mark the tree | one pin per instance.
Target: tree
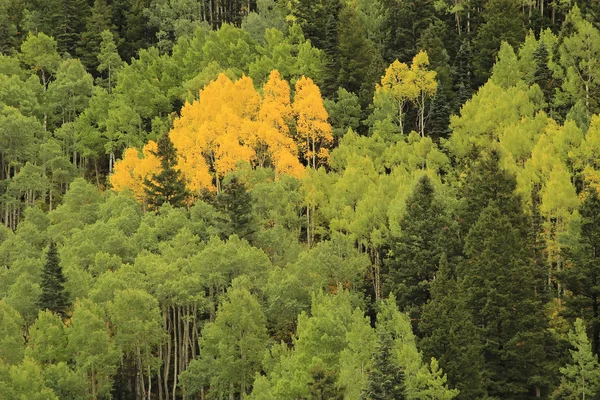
(235, 201)
(40, 54)
(426, 234)
(166, 186)
(450, 335)
(312, 129)
(503, 21)
(11, 335)
(500, 276)
(582, 277)
(97, 22)
(581, 378)
(54, 296)
(386, 378)
(94, 349)
(109, 60)
(136, 321)
(48, 340)
(234, 344)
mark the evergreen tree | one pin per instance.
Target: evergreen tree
(485, 181)
(439, 115)
(54, 296)
(500, 278)
(168, 185)
(450, 335)
(580, 378)
(543, 75)
(503, 21)
(235, 202)
(462, 74)
(583, 279)
(89, 45)
(426, 234)
(386, 379)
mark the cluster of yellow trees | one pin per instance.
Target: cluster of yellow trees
(231, 123)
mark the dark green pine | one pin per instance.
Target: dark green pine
(543, 75)
(583, 279)
(235, 202)
(450, 335)
(386, 379)
(462, 74)
(426, 235)
(439, 120)
(54, 296)
(168, 185)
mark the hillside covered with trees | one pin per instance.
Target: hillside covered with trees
(305, 199)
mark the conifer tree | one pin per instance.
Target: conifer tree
(450, 335)
(581, 280)
(54, 296)
(500, 279)
(386, 379)
(580, 378)
(543, 75)
(426, 234)
(236, 203)
(168, 185)
(463, 74)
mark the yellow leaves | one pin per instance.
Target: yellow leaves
(313, 131)
(232, 123)
(410, 84)
(131, 171)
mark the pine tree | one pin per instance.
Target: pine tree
(500, 277)
(543, 75)
(386, 379)
(583, 278)
(580, 378)
(426, 234)
(439, 116)
(235, 201)
(89, 45)
(168, 185)
(54, 296)
(463, 75)
(450, 335)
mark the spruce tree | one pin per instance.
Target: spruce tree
(168, 185)
(583, 279)
(426, 234)
(386, 379)
(500, 281)
(543, 75)
(54, 297)
(450, 335)
(462, 74)
(235, 202)
(439, 120)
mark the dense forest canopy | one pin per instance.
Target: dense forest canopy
(305, 199)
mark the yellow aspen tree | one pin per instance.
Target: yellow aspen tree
(131, 171)
(398, 82)
(313, 132)
(425, 85)
(275, 140)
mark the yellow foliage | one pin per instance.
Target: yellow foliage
(232, 123)
(131, 171)
(313, 131)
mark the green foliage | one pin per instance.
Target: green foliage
(54, 296)
(168, 185)
(581, 377)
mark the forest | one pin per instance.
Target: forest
(299, 200)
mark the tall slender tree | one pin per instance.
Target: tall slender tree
(54, 296)
(167, 185)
